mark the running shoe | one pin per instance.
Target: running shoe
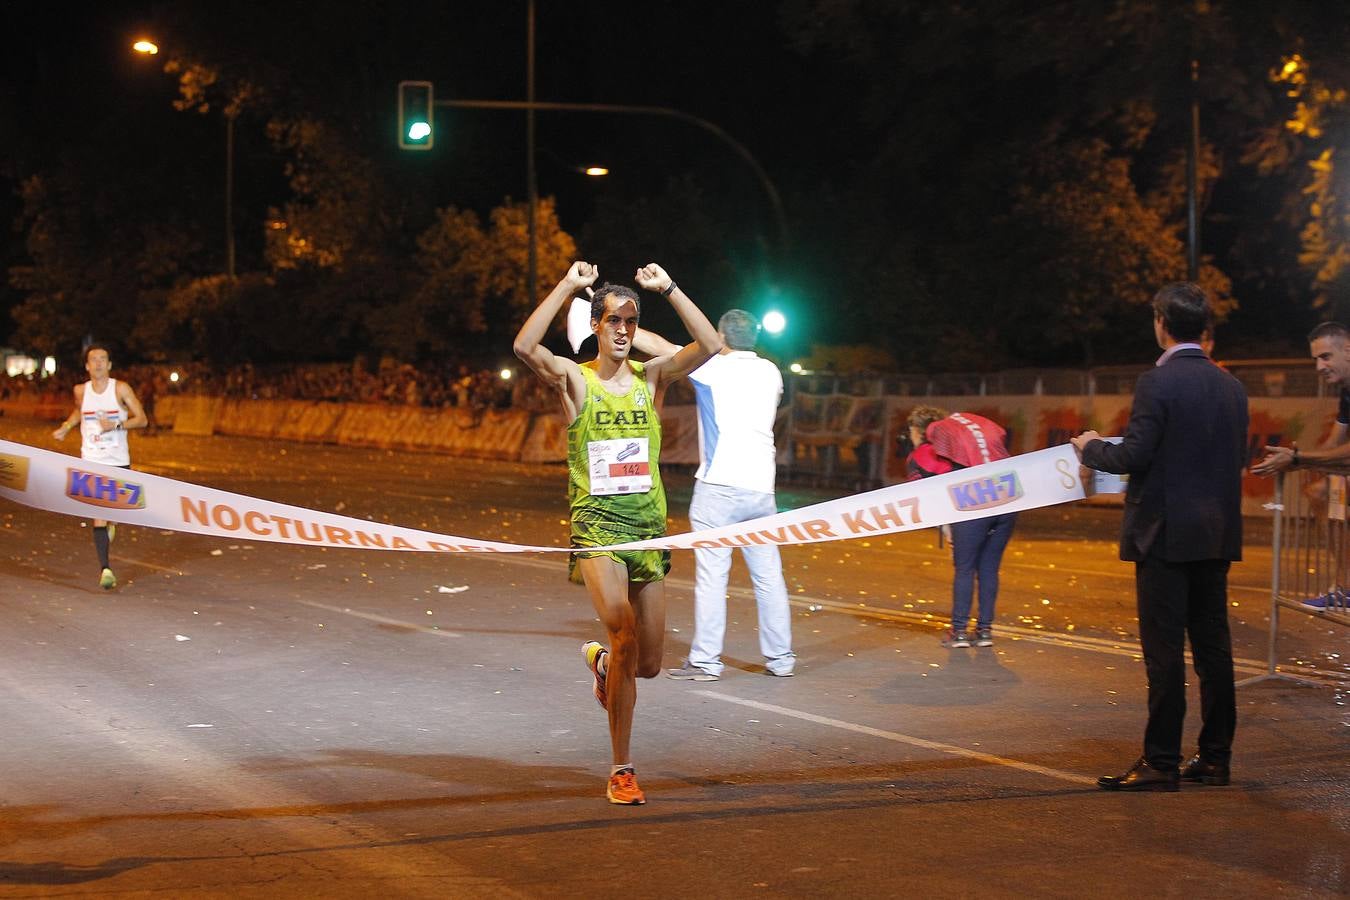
(984, 637)
(593, 651)
(623, 789)
(691, 672)
(107, 580)
(1332, 599)
(955, 639)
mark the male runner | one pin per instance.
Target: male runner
(614, 484)
(105, 409)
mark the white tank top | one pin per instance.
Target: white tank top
(108, 447)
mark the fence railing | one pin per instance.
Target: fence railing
(1310, 568)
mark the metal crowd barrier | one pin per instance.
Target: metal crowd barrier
(1310, 567)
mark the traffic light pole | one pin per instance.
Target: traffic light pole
(772, 192)
(531, 181)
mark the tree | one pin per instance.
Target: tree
(470, 279)
(964, 112)
(1092, 249)
(89, 262)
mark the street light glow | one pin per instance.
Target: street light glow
(150, 48)
(774, 322)
(506, 374)
(596, 171)
(418, 130)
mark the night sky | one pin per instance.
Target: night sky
(904, 138)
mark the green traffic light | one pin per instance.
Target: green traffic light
(416, 104)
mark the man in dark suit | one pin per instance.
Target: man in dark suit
(1184, 449)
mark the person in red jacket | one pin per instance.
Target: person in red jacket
(944, 443)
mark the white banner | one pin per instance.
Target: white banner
(59, 483)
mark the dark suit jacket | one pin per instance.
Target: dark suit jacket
(1184, 450)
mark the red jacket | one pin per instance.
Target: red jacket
(968, 440)
(924, 462)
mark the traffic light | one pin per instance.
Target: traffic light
(416, 108)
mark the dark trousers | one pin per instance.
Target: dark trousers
(977, 550)
(1176, 599)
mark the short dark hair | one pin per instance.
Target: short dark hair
(1330, 330)
(92, 347)
(739, 328)
(1185, 310)
(618, 290)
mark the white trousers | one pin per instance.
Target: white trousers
(713, 506)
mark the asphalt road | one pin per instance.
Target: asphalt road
(259, 720)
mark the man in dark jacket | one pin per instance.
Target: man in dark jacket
(1184, 449)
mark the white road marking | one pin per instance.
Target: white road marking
(383, 620)
(906, 739)
(1124, 647)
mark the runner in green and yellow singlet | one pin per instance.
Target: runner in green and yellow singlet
(614, 481)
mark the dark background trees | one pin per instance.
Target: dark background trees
(973, 185)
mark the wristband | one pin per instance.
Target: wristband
(1294, 464)
(667, 291)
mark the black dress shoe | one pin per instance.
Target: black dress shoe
(1201, 772)
(1141, 777)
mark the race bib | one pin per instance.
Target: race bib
(96, 436)
(619, 466)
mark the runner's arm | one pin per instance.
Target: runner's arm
(74, 418)
(652, 344)
(706, 343)
(551, 369)
(138, 418)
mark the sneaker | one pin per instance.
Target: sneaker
(107, 580)
(623, 789)
(779, 673)
(691, 672)
(984, 638)
(1331, 598)
(593, 650)
(956, 639)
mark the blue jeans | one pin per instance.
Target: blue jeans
(713, 506)
(977, 550)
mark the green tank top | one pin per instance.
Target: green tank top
(616, 426)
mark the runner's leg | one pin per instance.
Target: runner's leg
(649, 608)
(101, 542)
(607, 582)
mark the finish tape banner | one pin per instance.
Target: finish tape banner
(58, 483)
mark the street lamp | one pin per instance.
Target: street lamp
(147, 47)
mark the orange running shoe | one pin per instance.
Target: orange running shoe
(593, 650)
(623, 789)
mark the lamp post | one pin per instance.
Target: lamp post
(1193, 178)
(147, 47)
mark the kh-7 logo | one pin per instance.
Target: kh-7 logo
(100, 490)
(983, 493)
